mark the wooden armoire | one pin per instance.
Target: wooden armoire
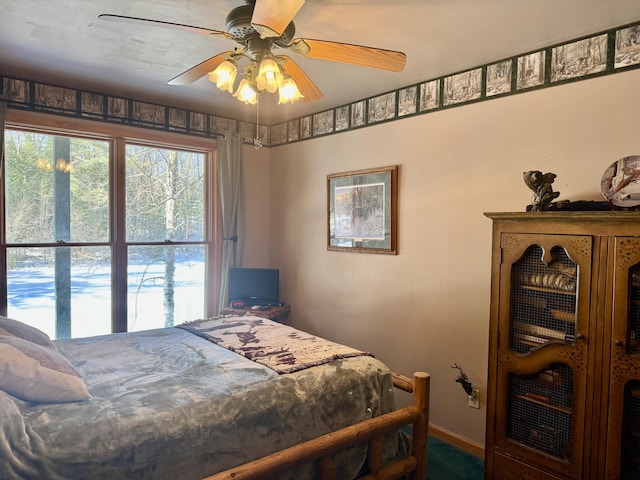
(563, 394)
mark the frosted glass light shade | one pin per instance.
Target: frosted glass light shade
(289, 92)
(269, 76)
(246, 93)
(224, 76)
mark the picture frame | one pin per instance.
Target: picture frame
(362, 211)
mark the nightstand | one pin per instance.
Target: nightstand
(277, 314)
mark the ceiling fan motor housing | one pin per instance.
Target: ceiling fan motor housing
(239, 25)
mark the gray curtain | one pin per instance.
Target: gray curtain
(3, 114)
(229, 184)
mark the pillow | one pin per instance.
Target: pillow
(8, 326)
(38, 374)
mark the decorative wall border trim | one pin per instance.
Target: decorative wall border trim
(43, 97)
(604, 53)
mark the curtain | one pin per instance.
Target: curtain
(229, 184)
(3, 114)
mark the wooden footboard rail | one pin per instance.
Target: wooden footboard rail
(322, 448)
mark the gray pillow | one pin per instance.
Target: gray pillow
(9, 326)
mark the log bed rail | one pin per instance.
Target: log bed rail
(322, 448)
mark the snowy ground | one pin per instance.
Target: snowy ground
(32, 298)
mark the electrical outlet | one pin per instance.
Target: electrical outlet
(474, 399)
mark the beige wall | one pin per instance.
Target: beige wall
(254, 222)
(428, 307)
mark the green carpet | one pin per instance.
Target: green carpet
(447, 462)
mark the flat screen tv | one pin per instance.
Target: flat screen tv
(254, 286)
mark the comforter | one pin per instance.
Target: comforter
(169, 404)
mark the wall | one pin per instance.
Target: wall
(428, 307)
(253, 229)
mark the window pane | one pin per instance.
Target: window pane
(62, 291)
(57, 188)
(166, 285)
(165, 194)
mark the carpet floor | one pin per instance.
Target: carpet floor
(447, 462)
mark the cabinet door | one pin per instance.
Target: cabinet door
(623, 439)
(545, 285)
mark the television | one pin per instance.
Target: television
(254, 286)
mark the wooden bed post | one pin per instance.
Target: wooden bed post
(375, 454)
(327, 467)
(422, 388)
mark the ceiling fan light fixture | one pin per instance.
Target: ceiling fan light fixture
(246, 93)
(224, 75)
(258, 27)
(269, 76)
(288, 92)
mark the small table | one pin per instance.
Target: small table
(277, 314)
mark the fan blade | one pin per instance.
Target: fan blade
(160, 23)
(199, 71)
(306, 86)
(271, 17)
(347, 53)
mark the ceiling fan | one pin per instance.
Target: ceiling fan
(259, 27)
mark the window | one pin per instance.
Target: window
(165, 228)
(104, 234)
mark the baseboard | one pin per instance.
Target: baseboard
(457, 441)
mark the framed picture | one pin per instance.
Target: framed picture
(362, 210)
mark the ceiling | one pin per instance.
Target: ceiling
(62, 42)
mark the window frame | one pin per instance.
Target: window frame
(118, 136)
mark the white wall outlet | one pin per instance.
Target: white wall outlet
(474, 399)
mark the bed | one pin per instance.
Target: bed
(222, 398)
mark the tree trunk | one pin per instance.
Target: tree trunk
(170, 253)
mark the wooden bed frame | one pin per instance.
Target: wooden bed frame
(322, 448)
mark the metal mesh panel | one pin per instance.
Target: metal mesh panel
(540, 405)
(631, 432)
(634, 310)
(544, 300)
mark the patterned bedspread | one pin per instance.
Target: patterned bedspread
(167, 404)
(279, 347)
